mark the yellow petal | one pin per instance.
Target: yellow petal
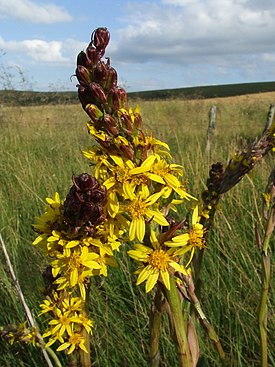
(151, 281)
(183, 250)
(153, 198)
(156, 178)
(113, 204)
(110, 182)
(145, 166)
(195, 215)
(118, 160)
(178, 267)
(172, 181)
(82, 291)
(39, 238)
(143, 275)
(181, 239)
(132, 230)
(128, 191)
(63, 346)
(74, 277)
(157, 217)
(140, 229)
(166, 279)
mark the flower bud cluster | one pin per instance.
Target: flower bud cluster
(103, 100)
(20, 334)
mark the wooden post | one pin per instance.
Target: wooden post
(211, 127)
(269, 118)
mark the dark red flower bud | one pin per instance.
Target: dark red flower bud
(100, 72)
(127, 151)
(101, 38)
(84, 205)
(117, 98)
(85, 96)
(111, 81)
(127, 123)
(93, 112)
(83, 75)
(83, 59)
(98, 92)
(110, 124)
(93, 54)
(137, 120)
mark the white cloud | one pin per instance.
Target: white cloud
(41, 51)
(38, 50)
(30, 11)
(196, 31)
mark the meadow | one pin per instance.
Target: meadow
(41, 149)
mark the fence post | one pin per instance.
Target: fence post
(211, 127)
(269, 117)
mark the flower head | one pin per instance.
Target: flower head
(191, 240)
(158, 263)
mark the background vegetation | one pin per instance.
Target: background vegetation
(40, 149)
(11, 97)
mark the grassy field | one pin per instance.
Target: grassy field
(40, 150)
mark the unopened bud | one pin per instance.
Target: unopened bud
(83, 59)
(137, 120)
(93, 54)
(110, 124)
(93, 112)
(111, 81)
(101, 72)
(98, 92)
(85, 96)
(117, 98)
(83, 75)
(101, 38)
(127, 123)
(127, 151)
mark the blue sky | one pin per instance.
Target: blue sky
(154, 44)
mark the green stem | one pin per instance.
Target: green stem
(262, 318)
(155, 323)
(85, 358)
(180, 325)
(54, 357)
(202, 318)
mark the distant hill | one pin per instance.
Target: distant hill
(211, 91)
(28, 98)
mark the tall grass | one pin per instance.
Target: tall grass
(40, 150)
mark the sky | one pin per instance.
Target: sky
(155, 44)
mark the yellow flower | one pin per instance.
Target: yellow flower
(126, 176)
(77, 266)
(99, 135)
(189, 241)
(47, 306)
(75, 341)
(150, 143)
(61, 324)
(139, 209)
(99, 159)
(45, 222)
(157, 263)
